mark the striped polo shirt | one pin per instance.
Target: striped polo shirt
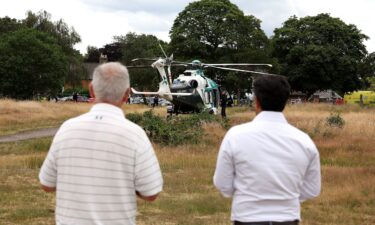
(97, 162)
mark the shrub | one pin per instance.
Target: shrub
(335, 120)
(134, 117)
(174, 131)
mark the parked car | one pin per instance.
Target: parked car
(81, 98)
(66, 98)
(163, 102)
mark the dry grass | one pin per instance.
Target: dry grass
(347, 157)
(16, 116)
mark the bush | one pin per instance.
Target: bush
(71, 91)
(134, 117)
(175, 131)
(335, 120)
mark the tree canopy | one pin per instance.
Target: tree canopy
(320, 52)
(8, 25)
(38, 56)
(210, 29)
(32, 63)
(92, 55)
(141, 46)
(218, 31)
(66, 36)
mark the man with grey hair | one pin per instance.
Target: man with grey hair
(100, 161)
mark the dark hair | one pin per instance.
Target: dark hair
(272, 92)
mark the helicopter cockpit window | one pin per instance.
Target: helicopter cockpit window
(187, 73)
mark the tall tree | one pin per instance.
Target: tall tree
(113, 51)
(218, 31)
(8, 25)
(320, 52)
(32, 63)
(367, 69)
(92, 55)
(141, 46)
(211, 29)
(66, 37)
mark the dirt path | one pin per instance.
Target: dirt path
(39, 133)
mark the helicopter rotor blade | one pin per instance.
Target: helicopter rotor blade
(238, 64)
(139, 66)
(243, 71)
(179, 65)
(179, 62)
(163, 50)
(143, 59)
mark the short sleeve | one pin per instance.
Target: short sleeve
(48, 171)
(148, 177)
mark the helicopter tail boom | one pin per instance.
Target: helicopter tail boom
(162, 94)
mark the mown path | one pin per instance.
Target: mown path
(39, 133)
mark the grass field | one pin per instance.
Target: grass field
(347, 157)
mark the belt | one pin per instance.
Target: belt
(295, 222)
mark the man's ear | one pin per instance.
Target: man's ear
(126, 95)
(91, 90)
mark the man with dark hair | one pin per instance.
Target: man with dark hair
(272, 92)
(268, 166)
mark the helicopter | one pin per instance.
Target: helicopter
(191, 91)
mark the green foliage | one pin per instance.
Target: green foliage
(320, 52)
(8, 25)
(37, 56)
(81, 91)
(134, 117)
(371, 83)
(66, 38)
(367, 70)
(335, 120)
(208, 29)
(92, 54)
(218, 31)
(141, 46)
(175, 131)
(33, 63)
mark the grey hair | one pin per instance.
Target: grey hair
(110, 81)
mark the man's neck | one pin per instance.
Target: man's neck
(118, 104)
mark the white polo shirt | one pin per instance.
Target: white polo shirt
(97, 162)
(268, 167)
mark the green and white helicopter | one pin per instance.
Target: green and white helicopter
(191, 91)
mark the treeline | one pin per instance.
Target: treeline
(37, 55)
(315, 52)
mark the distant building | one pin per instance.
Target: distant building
(325, 96)
(88, 71)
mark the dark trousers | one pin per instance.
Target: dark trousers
(223, 114)
(295, 222)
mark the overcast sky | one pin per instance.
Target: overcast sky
(97, 21)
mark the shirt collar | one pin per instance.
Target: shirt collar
(270, 116)
(105, 107)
